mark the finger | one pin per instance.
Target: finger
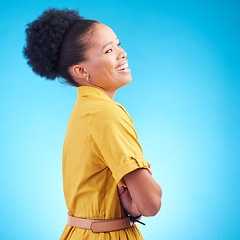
(150, 172)
(149, 165)
(120, 189)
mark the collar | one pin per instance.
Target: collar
(92, 91)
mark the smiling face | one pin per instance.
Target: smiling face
(106, 65)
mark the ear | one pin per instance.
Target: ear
(79, 71)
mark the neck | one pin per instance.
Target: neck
(111, 94)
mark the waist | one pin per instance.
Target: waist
(99, 225)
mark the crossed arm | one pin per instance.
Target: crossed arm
(142, 195)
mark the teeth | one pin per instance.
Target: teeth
(122, 67)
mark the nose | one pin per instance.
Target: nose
(122, 54)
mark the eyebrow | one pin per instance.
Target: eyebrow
(108, 43)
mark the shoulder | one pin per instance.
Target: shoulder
(106, 116)
(110, 111)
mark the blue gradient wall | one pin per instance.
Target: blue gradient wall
(184, 101)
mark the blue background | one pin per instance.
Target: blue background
(184, 101)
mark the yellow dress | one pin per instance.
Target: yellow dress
(100, 147)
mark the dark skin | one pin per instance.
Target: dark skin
(104, 57)
(106, 68)
(136, 199)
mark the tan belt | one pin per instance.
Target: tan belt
(98, 226)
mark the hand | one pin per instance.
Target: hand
(126, 200)
(149, 165)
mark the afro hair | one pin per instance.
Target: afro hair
(44, 37)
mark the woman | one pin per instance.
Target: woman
(107, 182)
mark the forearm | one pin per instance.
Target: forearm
(144, 191)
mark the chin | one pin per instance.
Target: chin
(128, 78)
(126, 81)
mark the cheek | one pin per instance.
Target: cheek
(101, 68)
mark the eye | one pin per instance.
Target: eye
(109, 50)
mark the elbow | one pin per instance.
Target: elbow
(152, 209)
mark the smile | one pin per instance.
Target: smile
(124, 66)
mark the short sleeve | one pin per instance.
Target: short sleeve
(113, 136)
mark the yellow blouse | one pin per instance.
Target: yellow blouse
(100, 147)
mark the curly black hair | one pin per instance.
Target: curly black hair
(55, 41)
